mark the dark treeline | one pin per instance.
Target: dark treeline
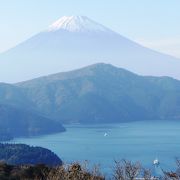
(123, 170)
(18, 154)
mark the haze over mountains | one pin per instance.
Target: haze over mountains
(76, 41)
(100, 93)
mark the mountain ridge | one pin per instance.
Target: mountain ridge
(99, 93)
(103, 93)
(87, 70)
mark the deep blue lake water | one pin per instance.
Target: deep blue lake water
(136, 141)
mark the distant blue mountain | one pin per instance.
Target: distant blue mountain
(102, 93)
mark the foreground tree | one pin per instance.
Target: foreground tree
(43, 172)
(126, 170)
(173, 175)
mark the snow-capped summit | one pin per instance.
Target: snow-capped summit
(78, 24)
(76, 41)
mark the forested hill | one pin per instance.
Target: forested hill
(102, 93)
(18, 122)
(19, 154)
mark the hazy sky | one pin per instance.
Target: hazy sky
(154, 23)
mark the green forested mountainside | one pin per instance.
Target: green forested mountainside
(101, 93)
(15, 122)
(20, 154)
(13, 95)
(104, 93)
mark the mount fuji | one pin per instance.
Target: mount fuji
(76, 41)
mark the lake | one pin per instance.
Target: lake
(136, 141)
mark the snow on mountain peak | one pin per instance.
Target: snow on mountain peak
(77, 24)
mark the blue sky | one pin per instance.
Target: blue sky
(154, 23)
